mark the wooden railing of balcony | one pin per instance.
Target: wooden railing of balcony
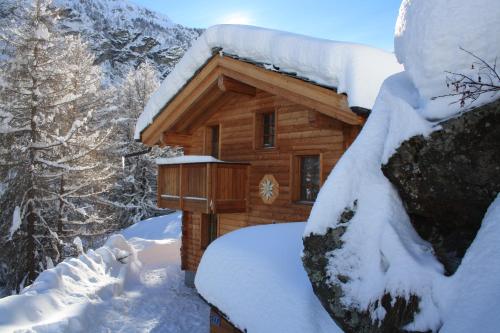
(212, 187)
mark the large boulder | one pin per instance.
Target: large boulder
(400, 311)
(448, 180)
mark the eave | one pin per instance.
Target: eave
(222, 77)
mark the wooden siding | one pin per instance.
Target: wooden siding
(299, 131)
(191, 250)
(204, 187)
(219, 324)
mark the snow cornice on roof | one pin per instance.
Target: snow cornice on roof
(347, 68)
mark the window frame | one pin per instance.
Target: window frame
(296, 170)
(259, 129)
(209, 144)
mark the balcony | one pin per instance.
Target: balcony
(203, 185)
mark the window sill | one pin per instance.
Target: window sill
(266, 149)
(303, 203)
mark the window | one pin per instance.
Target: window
(268, 130)
(306, 178)
(209, 224)
(265, 130)
(214, 141)
(309, 177)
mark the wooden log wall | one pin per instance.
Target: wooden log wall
(299, 131)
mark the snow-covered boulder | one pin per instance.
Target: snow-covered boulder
(448, 180)
(428, 38)
(369, 267)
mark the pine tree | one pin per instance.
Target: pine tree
(137, 187)
(88, 171)
(54, 131)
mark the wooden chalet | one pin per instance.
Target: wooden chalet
(274, 139)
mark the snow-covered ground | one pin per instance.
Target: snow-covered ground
(255, 276)
(131, 284)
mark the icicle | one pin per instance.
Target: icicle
(123, 162)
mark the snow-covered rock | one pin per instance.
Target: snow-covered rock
(356, 70)
(255, 277)
(448, 179)
(369, 261)
(471, 297)
(427, 42)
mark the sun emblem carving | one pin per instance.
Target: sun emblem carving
(268, 189)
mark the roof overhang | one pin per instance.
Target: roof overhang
(222, 77)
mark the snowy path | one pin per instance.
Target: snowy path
(98, 293)
(161, 303)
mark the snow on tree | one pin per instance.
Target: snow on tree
(136, 190)
(53, 138)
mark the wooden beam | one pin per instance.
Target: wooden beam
(226, 84)
(208, 112)
(176, 139)
(188, 95)
(197, 109)
(228, 75)
(298, 91)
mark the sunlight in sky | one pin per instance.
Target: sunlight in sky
(237, 18)
(360, 21)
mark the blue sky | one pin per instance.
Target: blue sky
(363, 21)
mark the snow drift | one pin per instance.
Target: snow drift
(381, 251)
(63, 290)
(254, 275)
(63, 298)
(428, 38)
(356, 70)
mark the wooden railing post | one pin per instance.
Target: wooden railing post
(181, 187)
(208, 194)
(159, 186)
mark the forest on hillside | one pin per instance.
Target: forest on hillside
(70, 171)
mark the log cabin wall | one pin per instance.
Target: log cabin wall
(299, 131)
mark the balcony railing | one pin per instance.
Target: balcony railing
(208, 187)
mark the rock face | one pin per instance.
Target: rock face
(448, 180)
(400, 311)
(121, 34)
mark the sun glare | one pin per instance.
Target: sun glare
(237, 18)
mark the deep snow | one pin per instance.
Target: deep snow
(381, 251)
(354, 69)
(255, 276)
(427, 42)
(131, 284)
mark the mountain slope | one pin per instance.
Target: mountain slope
(121, 34)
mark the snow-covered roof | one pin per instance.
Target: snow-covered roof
(354, 69)
(186, 159)
(258, 281)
